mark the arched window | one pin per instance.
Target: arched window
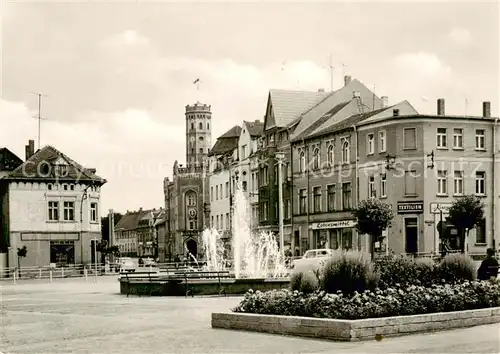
(191, 199)
(302, 161)
(316, 158)
(330, 155)
(201, 125)
(345, 152)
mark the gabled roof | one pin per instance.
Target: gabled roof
(288, 104)
(40, 166)
(346, 93)
(8, 160)
(321, 120)
(227, 142)
(130, 221)
(255, 129)
(347, 123)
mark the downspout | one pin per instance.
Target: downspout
(356, 180)
(291, 186)
(493, 202)
(307, 191)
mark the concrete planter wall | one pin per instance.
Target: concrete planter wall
(354, 330)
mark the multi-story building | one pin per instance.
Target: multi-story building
(51, 205)
(187, 194)
(290, 115)
(420, 163)
(325, 176)
(221, 156)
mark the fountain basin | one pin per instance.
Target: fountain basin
(164, 286)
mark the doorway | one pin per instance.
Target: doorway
(411, 235)
(192, 247)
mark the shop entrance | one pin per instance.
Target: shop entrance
(411, 235)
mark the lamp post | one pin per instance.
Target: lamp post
(280, 157)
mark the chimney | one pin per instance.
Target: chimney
(440, 107)
(395, 112)
(385, 101)
(30, 149)
(487, 109)
(321, 90)
(140, 209)
(347, 80)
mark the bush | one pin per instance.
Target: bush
(304, 282)
(405, 271)
(348, 272)
(456, 267)
(399, 301)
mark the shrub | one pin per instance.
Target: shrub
(405, 271)
(398, 301)
(304, 282)
(456, 267)
(348, 272)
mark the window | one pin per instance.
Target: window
(330, 156)
(383, 185)
(441, 179)
(244, 186)
(217, 192)
(191, 199)
(222, 221)
(208, 125)
(410, 183)
(331, 197)
(201, 126)
(213, 225)
(69, 211)
(316, 158)
(192, 125)
(441, 138)
(302, 201)
(252, 187)
(409, 138)
(288, 209)
(458, 138)
(481, 232)
(93, 212)
(317, 199)
(276, 175)
(226, 191)
(346, 196)
(264, 211)
(345, 152)
(218, 223)
(265, 176)
(201, 150)
(243, 152)
(480, 137)
(212, 193)
(302, 161)
(458, 182)
(371, 187)
(220, 191)
(370, 144)
(480, 183)
(53, 211)
(382, 143)
(227, 222)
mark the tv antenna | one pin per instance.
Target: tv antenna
(330, 65)
(39, 116)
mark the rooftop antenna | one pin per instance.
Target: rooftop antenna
(331, 73)
(39, 117)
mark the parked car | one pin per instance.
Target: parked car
(149, 262)
(127, 265)
(312, 260)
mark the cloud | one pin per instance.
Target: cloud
(460, 36)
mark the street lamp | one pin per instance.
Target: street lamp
(280, 157)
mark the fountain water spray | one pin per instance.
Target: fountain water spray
(255, 255)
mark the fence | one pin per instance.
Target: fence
(47, 272)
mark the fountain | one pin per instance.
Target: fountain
(255, 255)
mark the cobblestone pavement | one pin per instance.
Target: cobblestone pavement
(78, 316)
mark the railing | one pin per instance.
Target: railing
(70, 271)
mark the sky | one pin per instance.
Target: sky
(116, 76)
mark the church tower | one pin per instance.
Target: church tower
(198, 134)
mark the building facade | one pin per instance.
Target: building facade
(419, 164)
(51, 205)
(187, 202)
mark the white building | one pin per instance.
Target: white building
(51, 205)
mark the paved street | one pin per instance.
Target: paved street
(75, 316)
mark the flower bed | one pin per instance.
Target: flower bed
(402, 301)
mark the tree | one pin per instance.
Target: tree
(21, 253)
(373, 217)
(465, 213)
(105, 225)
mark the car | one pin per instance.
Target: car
(149, 262)
(127, 265)
(312, 260)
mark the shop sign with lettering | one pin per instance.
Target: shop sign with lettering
(410, 207)
(333, 224)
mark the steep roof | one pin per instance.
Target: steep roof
(288, 104)
(226, 142)
(255, 128)
(40, 166)
(130, 220)
(8, 160)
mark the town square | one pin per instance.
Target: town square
(250, 177)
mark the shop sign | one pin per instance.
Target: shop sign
(437, 207)
(410, 207)
(340, 224)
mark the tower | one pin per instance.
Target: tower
(198, 134)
